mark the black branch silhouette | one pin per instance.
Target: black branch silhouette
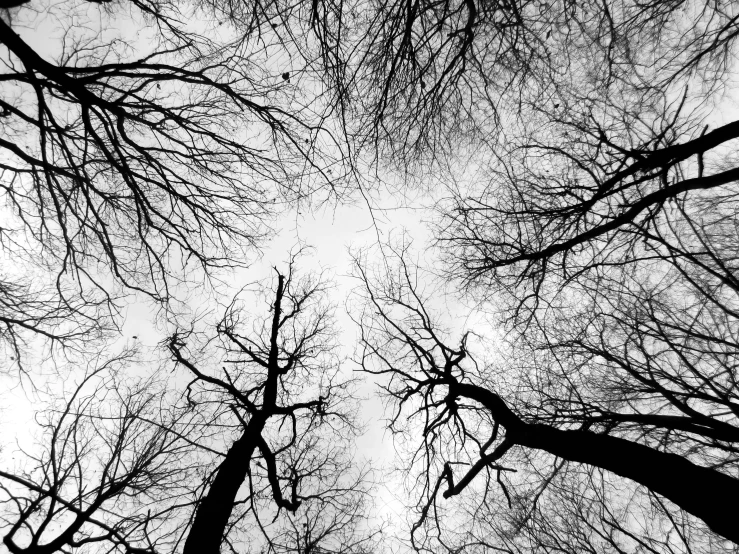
(636, 418)
(292, 412)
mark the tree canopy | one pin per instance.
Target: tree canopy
(574, 166)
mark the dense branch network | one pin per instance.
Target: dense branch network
(128, 164)
(292, 415)
(659, 419)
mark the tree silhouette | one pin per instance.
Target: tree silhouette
(291, 414)
(440, 78)
(589, 209)
(596, 399)
(254, 458)
(112, 470)
(128, 163)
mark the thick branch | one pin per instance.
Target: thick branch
(211, 518)
(269, 460)
(626, 216)
(706, 493)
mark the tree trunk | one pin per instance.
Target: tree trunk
(706, 493)
(211, 517)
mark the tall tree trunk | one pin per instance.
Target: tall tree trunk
(211, 517)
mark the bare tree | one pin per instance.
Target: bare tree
(439, 78)
(601, 230)
(128, 163)
(111, 471)
(29, 310)
(604, 229)
(642, 415)
(256, 458)
(336, 524)
(289, 413)
(556, 506)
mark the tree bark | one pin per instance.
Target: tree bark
(211, 516)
